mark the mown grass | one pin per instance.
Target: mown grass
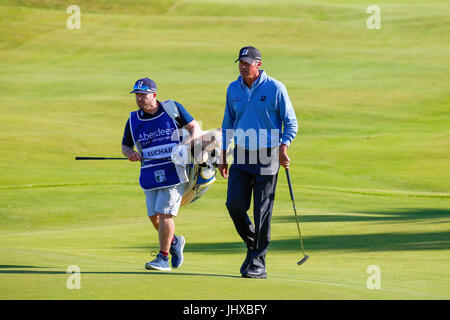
(370, 163)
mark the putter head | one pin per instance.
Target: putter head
(303, 260)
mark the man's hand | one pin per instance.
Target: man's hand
(133, 155)
(130, 153)
(284, 159)
(223, 169)
(223, 166)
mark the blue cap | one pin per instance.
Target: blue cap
(144, 85)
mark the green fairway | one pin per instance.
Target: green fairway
(370, 164)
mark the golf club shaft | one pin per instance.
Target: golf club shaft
(99, 158)
(295, 209)
(111, 158)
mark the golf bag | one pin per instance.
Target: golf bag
(200, 162)
(201, 169)
(200, 180)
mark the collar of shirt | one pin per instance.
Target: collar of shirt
(146, 115)
(262, 76)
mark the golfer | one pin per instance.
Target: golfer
(257, 108)
(155, 132)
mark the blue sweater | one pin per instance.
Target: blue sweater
(257, 115)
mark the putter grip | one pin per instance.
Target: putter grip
(288, 176)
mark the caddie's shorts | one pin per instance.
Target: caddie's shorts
(164, 200)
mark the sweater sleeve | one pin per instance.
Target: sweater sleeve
(228, 122)
(287, 114)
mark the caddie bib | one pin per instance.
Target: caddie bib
(157, 137)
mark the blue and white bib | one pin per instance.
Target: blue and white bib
(157, 137)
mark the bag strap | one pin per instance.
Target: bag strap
(171, 109)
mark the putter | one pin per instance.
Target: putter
(305, 256)
(138, 147)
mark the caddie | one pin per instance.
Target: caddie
(155, 132)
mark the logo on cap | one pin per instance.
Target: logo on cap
(244, 52)
(144, 85)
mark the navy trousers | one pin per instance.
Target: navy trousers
(243, 181)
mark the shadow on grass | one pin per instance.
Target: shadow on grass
(14, 270)
(399, 215)
(358, 242)
(207, 247)
(370, 242)
(9, 266)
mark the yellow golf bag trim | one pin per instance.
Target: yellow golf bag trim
(201, 178)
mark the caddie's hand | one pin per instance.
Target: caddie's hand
(133, 155)
(223, 169)
(283, 157)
